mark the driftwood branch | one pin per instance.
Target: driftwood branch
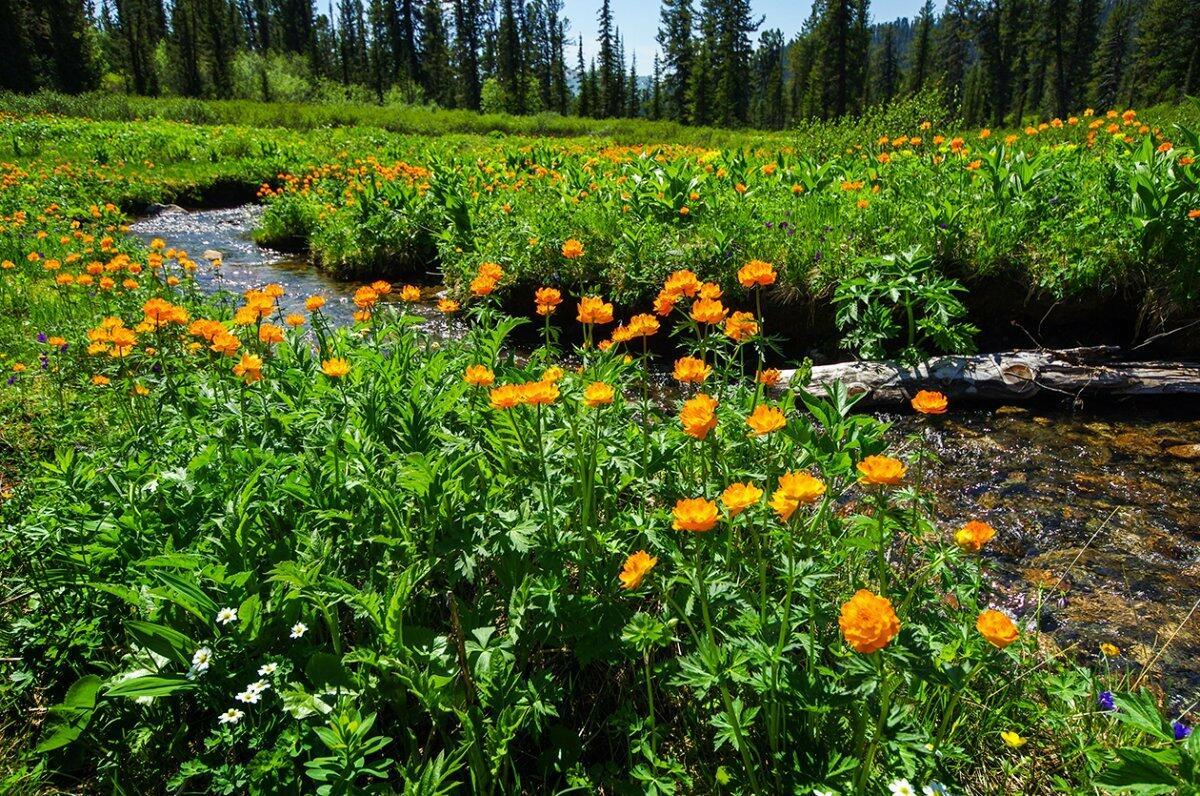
(1011, 376)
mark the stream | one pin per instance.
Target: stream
(1097, 506)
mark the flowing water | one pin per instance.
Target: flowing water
(1096, 509)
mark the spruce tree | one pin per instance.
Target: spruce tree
(676, 23)
(921, 58)
(1112, 56)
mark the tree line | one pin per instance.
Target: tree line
(997, 61)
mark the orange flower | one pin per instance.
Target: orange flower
(594, 310)
(694, 514)
(314, 303)
(710, 290)
(506, 396)
(365, 298)
(100, 381)
(1194, 214)
(381, 287)
(769, 377)
(294, 319)
(598, 394)
(664, 304)
(572, 249)
(335, 368)
(491, 271)
(756, 273)
(643, 325)
(225, 343)
(410, 293)
(881, 471)
(765, 419)
(739, 497)
(929, 402)
(708, 311)
(741, 326)
(698, 416)
(249, 368)
(868, 622)
(547, 300)
(479, 376)
(690, 370)
(539, 393)
(482, 285)
(974, 535)
(447, 306)
(270, 333)
(681, 283)
(997, 628)
(795, 490)
(637, 566)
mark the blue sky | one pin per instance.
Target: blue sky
(638, 21)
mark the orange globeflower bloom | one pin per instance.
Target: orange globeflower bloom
(1194, 214)
(709, 311)
(698, 416)
(594, 310)
(539, 393)
(547, 300)
(572, 249)
(765, 419)
(490, 270)
(681, 283)
(598, 394)
(482, 285)
(881, 471)
(225, 343)
(741, 326)
(643, 325)
(249, 368)
(100, 381)
(756, 273)
(929, 402)
(664, 303)
(270, 333)
(362, 316)
(447, 306)
(506, 396)
(710, 290)
(690, 370)
(294, 319)
(479, 376)
(868, 622)
(314, 303)
(739, 497)
(381, 287)
(335, 368)
(365, 298)
(694, 514)
(974, 535)
(795, 490)
(637, 566)
(997, 628)
(410, 293)
(769, 377)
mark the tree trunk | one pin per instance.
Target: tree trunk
(1010, 376)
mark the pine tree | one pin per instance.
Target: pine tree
(466, 47)
(921, 59)
(634, 107)
(953, 47)
(438, 81)
(585, 94)
(609, 97)
(1165, 65)
(656, 108)
(887, 67)
(508, 59)
(842, 51)
(1112, 56)
(768, 109)
(676, 22)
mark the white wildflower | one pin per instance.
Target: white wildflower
(299, 629)
(201, 659)
(267, 669)
(902, 787)
(231, 716)
(249, 697)
(258, 687)
(226, 615)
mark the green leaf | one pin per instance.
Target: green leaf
(168, 642)
(1138, 771)
(70, 718)
(149, 686)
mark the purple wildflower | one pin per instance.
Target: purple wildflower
(1181, 730)
(41, 338)
(1106, 701)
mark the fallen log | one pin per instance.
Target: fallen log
(1011, 375)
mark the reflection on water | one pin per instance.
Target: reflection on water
(1105, 502)
(247, 265)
